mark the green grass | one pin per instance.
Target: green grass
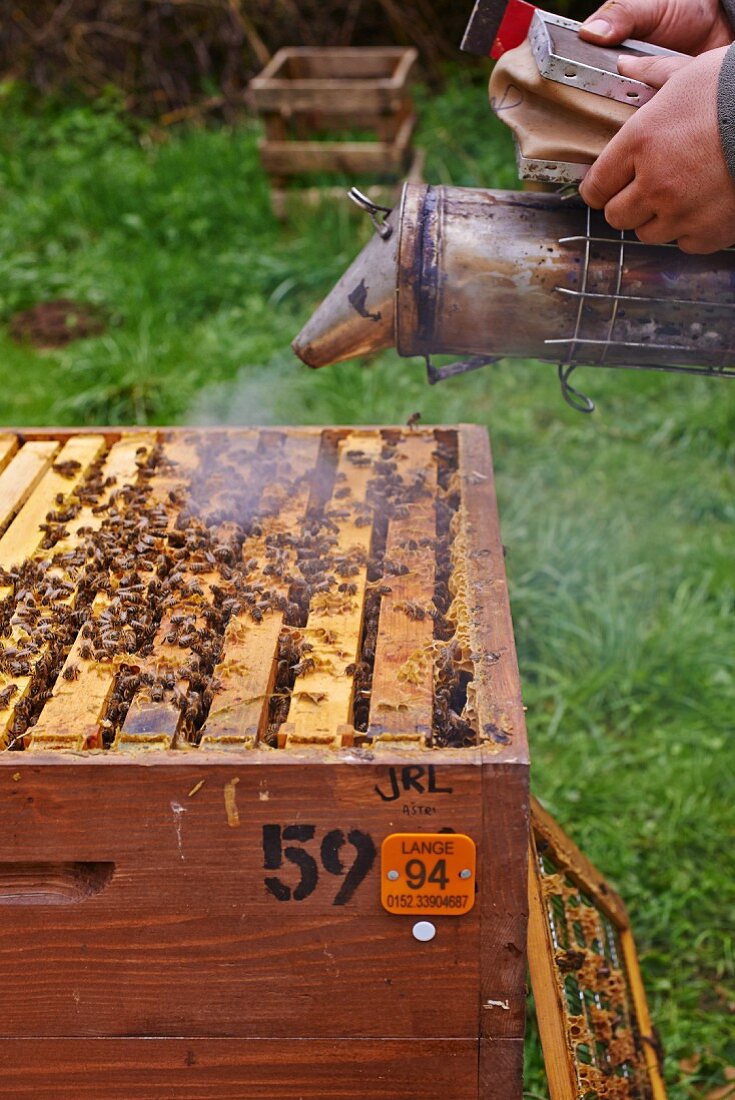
(620, 527)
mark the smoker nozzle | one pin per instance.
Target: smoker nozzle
(358, 317)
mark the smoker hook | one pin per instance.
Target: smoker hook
(463, 366)
(568, 191)
(373, 209)
(576, 400)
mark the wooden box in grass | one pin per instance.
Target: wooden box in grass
(234, 663)
(313, 101)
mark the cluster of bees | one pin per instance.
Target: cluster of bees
(153, 588)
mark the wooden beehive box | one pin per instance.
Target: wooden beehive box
(233, 663)
(310, 98)
(255, 686)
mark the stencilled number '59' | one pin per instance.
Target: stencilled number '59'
(284, 843)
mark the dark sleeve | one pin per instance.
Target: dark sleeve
(726, 107)
(729, 6)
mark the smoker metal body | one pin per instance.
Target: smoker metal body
(493, 274)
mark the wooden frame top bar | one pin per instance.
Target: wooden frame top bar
(311, 653)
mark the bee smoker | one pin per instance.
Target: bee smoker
(487, 275)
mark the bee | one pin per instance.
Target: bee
(306, 664)
(180, 698)
(7, 694)
(71, 672)
(67, 469)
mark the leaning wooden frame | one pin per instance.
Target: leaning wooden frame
(595, 1027)
(310, 98)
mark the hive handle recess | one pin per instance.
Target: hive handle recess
(26, 883)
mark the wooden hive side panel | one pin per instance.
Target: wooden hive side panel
(251, 1069)
(244, 899)
(496, 686)
(503, 950)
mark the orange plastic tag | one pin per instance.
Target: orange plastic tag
(422, 873)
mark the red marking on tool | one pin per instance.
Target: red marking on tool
(514, 28)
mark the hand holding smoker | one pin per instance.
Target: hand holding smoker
(490, 274)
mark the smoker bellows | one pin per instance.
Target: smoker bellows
(493, 274)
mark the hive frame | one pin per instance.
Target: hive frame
(564, 1068)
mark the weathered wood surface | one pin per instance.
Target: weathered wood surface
(504, 902)
(254, 1069)
(21, 475)
(651, 1052)
(322, 694)
(179, 860)
(188, 938)
(24, 536)
(403, 681)
(571, 859)
(245, 675)
(155, 724)
(121, 468)
(288, 158)
(8, 447)
(496, 688)
(72, 718)
(140, 473)
(351, 81)
(304, 93)
(501, 1069)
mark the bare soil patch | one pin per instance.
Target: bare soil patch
(56, 324)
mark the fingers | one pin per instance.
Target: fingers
(655, 231)
(701, 245)
(628, 209)
(654, 71)
(612, 172)
(631, 210)
(621, 19)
